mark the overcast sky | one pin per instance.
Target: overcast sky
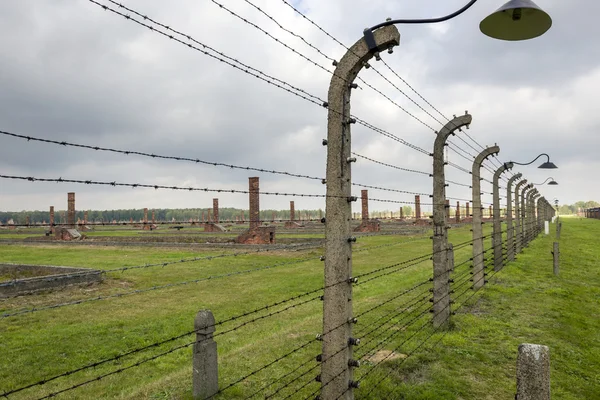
(74, 72)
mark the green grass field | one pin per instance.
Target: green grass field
(475, 359)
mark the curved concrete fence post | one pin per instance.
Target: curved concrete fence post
(510, 233)
(478, 267)
(441, 286)
(497, 227)
(336, 358)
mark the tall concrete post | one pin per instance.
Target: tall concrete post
(540, 217)
(510, 233)
(518, 220)
(478, 267)
(534, 225)
(205, 371)
(254, 203)
(441, 206)
(216, 211)
(364, 198)
(417, 208)
(52, 219)
(497, 226)
(292, 212)
(336, 359)
(524, 209)
(71, 210)
(528, 214)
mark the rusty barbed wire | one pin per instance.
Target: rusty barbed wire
(245, 68)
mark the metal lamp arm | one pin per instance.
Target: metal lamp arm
(538, 184)
(368, 33)
(529, 163)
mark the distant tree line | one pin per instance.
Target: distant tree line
(160, 214)
(566, 209)
(177, 214)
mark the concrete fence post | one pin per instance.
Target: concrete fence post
(524, 205)
(518, 220)
(541, 213)
(510, 232)
(441, 211)
(556, 256)
(497, 226)
(205, 374)
(533, 372)
(478, 267)
(336, 358)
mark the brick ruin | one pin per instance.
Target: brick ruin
(468, 217)
(447, 209)
(68, 231)
(366, 225)
(51, 230)
(418, 216)
(291, 224)
(214, 225)
(71, 210)
(256, 234)
(457, 215)
(216, 211)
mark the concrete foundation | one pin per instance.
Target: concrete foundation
(45, 277)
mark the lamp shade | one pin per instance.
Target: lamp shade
(516, 20)
(548, 165)
(553, 182)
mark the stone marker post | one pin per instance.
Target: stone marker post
(205, 374)
(478, 267)
(441, 209)
(497, 226)
(510, 233)
(337, 361)
(533, 372)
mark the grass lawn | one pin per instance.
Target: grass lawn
(474, 360)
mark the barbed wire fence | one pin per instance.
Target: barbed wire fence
(339, 359)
